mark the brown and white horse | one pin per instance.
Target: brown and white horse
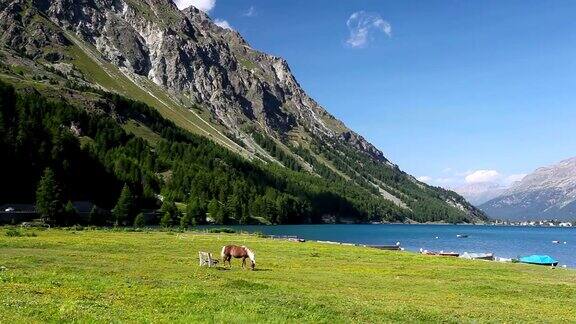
(238, 252)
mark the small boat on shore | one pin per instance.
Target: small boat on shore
(500, 259)
(441, 253)
(539, 260)
(449, 254)
(386, 247)
(478, 256)
(291, 238)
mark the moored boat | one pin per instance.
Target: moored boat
(441, 253)
(478, 256)
(539, 260)
(449, 254)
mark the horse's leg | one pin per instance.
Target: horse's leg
(243, 262)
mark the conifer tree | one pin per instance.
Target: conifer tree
(195, 214)
(170, 213)
(70, 215)
(124, 208)
(216, 212)
(48, 199)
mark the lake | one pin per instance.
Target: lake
(503, 241)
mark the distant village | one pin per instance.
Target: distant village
(544, 223)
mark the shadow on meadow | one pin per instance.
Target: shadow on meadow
(221, 268)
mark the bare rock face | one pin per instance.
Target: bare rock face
(20, 30)
(200, 63)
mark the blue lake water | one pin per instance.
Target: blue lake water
(503, 241)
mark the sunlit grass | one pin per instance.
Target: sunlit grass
(98, 275)
(142, 131)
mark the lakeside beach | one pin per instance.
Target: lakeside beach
(503, 241)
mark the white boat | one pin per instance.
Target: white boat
(478, 256)
(504, 259)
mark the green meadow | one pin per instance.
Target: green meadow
(153, 276)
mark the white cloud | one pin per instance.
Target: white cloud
(452, 178)
(425, 179)
(444, 180)
(483, 176)
(362, 24)
(513, 178)
(223, 23)
(204, 5)
(251, 12)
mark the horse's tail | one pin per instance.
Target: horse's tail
(223, 253)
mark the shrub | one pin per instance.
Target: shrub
(12, 232)
(186, 220)
(166, 220)
(221, 230)
(140, 220)
(260, 234)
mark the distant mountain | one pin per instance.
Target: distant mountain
(548, 192)
(209, 81)
(479, 193)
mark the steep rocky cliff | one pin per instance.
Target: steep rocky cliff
(205, 78)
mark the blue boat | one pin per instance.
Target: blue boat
(539, 259)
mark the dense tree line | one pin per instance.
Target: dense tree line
(187, 179)
(271, 147)
(426, 203)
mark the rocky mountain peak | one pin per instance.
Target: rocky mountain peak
(200, 63)
(548, 192)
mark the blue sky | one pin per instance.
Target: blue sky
(443, 88)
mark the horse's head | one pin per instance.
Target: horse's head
(252, 258)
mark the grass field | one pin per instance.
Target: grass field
(105, 275)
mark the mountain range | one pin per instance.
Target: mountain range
(478, 193)
(208, 81)
(547, 193)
